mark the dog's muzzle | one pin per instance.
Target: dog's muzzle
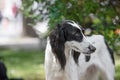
(91, 50)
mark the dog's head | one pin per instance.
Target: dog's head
(68, 33)
(75, 39)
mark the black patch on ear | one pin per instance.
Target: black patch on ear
(111, 52)
(75, 56)
(57, 41)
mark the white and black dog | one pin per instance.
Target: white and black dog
(62, 60)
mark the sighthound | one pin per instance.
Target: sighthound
(66, 51)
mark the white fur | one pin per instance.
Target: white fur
(74, 25)
(53, 68)
(99, 64)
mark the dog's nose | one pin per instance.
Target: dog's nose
(92, 48)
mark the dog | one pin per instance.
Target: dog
(3, 71)
(100, 64)
(60, 63)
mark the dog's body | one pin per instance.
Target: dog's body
(61, 64)
(100, 64)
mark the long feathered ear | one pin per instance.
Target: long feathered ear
(57, 42)
(60, 32)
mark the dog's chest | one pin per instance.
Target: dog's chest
(69, 73)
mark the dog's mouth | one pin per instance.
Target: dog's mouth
(87, 54)
(77, 48)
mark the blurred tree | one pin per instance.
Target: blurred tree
(29, 18)
(102, 16)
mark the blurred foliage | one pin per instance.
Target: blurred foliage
(95, 14)
(102, 16)
(29, 13)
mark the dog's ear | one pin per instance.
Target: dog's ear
(57, 42)
(60, 33)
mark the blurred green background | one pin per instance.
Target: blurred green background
(101, 16)
(24, 64)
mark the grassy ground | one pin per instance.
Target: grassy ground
(117, 67)
(24, 64)
(29, 64)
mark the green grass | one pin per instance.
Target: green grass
(24, 64)
(29, 64)
(117, 76)
(117, 67)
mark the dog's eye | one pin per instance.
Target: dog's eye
(77, 33)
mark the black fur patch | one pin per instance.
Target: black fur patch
(62, 33)
(111, 52)
(57, 41)
(75, 56)
(87, 58)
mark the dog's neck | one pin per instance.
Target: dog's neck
(67, 51)
(68, 66)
